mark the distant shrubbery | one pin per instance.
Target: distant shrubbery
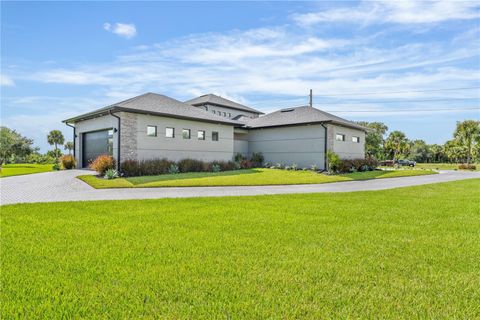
(134, 168)
(466, 166)
(357, 165)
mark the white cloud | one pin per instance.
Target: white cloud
(6, 81)
(122, 29)
(402, 12)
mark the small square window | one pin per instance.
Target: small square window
(152, 131)
(214, 136)
(186, 133)
(170, 132)
(340, 137)
(201, 135)
(356, 139)
(224, 114)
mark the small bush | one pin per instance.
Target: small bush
(314, 167)
(216, 168)
(354, 165)
(56, 166)
(102, 163)
(333, 161)
(238, 157)
(111, 174)
(467, 166)
(135, 168)
(68, 162)
(190, 165)
(294, 167)
(246, 164)
(257, 159)
(173, 169)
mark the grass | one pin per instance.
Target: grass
(441, 166)
(405, 253)
(251, 177)
(9, 170)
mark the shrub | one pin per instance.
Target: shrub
(467, 166)
(294, 167)
(314, 167)
(238, 157)
(333, 161)
(68, 162)
(111, 174)
(102, 163)
(257, 159)
(133, 168)
(190, 165)
(246, 164)
(354, 165)
(173, 169)
(56, 166)
(216, 168)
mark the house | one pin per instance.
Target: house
(211, 128)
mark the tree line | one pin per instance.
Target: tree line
(464, 147)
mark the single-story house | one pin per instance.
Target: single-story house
(153, 126)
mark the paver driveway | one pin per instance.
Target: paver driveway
(63, 186)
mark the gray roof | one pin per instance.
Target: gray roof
(299, 115)
(157, 104)
(219, 101)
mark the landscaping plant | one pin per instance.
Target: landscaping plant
(68, 162)
(111, 174)
(102, 163)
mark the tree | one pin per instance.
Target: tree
(374, 140)
(396, 144)
(13, 145)
(454, 151)
(68, 146)
(467, 134)
(419, 151)
(55, 137)
(436, 153)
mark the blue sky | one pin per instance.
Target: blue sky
(412, 65)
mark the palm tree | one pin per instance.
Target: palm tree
(397, 143)
(467, 133)
(68, 146)
(55, 137)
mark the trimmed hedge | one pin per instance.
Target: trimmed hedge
(355, 165)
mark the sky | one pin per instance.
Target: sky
(413, 65)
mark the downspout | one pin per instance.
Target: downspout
(325, 150)
(118, 140)
(74, 137)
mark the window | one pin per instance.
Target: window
(224, 114)
(170, 132)
(229, 115)
(340, 137)
(213, 111)
(186, 133)
(152, 131)
(214, 136)
(356, 139)
(110, 142)
(201, 135)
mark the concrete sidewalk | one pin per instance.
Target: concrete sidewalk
(63, 186)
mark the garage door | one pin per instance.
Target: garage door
(95, 144)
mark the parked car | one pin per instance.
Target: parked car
(405, 162)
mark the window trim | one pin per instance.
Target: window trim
(156, 131)
(203, 137)
(340, 134)
(173, 132)
(217, 134)
(189, 133)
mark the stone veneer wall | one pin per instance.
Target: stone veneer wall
(128, 135)
(330, 137)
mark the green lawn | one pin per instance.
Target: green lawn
(251, 177)
(441, 166)
(410, 253)
(24, 168)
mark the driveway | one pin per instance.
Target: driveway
(63, 186)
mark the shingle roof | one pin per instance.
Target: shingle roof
(152, 103)
(214, 99)
(299, 115)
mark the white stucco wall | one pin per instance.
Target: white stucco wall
(303, 145)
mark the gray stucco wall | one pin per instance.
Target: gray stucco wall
(346, 149)
(178, 148)
(303, 145)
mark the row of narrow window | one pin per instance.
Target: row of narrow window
(186, 133)
(341, 137)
